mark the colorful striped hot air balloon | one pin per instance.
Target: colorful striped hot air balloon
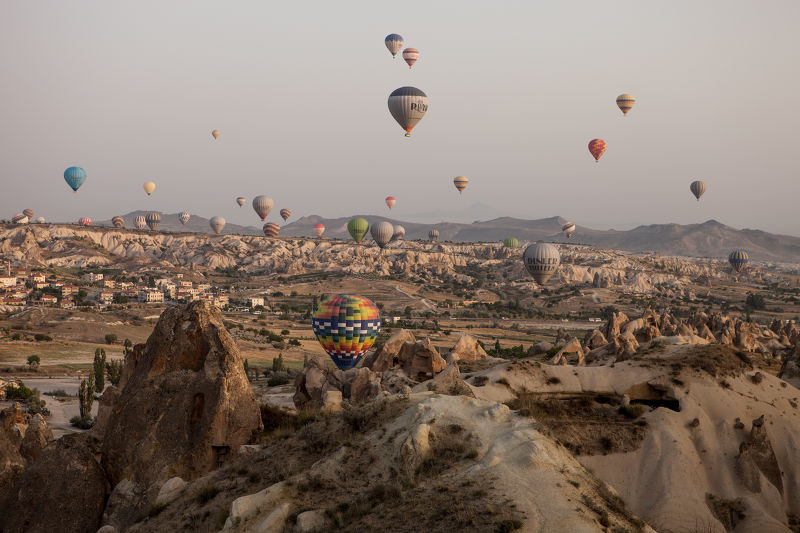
(382, 233)
(217, 224)
(408, 105)
(411, 55)
(139, 222)
(118, 222)
(568, 229)
(346, 326)
(461, 183)
(357, 228)
(215, 134)
(28, 213)
(399, 233)
(241, 200)
(390, 201)
(394, 43)
(271, 229)
(625, 102)
(75, 176)
(184, 218)
(285, 214)
(597, 147)
(84, 221)
(153, 220)
(738, 259)
(19, 219)
(433, 235)
(262, 205)
(541, 260)
(697, 188)
(319, 229)
(510, 242)
(149, 187)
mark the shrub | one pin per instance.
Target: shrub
(285, 332)
(33, 362)
(114, 369)
(35, 403)
(275, 381)
(18, 393)
(110, 338)
(633, 410)
(207, 494)
(82, 422)
(294, 342)
(16, 337)
(41, 337)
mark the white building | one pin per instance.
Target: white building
(91, 277)
(149, 296)
(255, 301)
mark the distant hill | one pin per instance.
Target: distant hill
(709, 239)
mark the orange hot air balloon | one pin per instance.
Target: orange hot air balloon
(597, 147)
(390, 201)
(215, 134)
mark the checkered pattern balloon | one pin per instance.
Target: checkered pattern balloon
(346, 326)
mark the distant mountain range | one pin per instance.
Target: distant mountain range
(709, 239)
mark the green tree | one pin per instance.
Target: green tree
(114, 369)
(127, 347)
(33, 362)
(407, 311)
(34, 403)
(86, 396)
(247, 369)
(497, 346)
(755, 301)
(305, 360)
(99, 369)
(277, 363)
(110, 338)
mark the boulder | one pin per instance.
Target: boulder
(540, 348)
(186, 402)
(571, 346)
(448, 381)
(365, 385)
(396, 381)
(37, 435)
(312, 521)
(790, 369)
(257, 512)
(311, 384)
(385, 356)
(594, 339)
(170, 491)
(331, 400)
(468, 349)
(67, 485)
(420, 360)
(612, 327)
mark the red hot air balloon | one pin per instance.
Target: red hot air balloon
(597, 147)
(390, 201)
(319, 229)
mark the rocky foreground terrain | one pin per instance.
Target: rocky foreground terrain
(653, 423)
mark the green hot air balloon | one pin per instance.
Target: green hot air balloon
(358, 227)
(510, 242)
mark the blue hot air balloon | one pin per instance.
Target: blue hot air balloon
(75, 176)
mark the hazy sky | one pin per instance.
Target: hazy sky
(131, 91)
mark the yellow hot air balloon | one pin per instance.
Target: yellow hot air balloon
(215, 134)
(149, 187)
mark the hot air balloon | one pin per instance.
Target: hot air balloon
(262, 205)
(399, 233)
(357, 228)
(394, 43)
(217, 224)
(149, 187)
(382, 233)
(40, 220)
(433, 235)
(738, 259)
(84, 221)
(625, 102)
(542, 260)
(241, 200)
(319, 229)
(118, 222)
(75, 176)
(139, 222)
(28, 213)
(411, 55)
(408, 105)
(461, 183)
(286, 213)
(271, 229)
(510, 242)
(697, 188)
(184, 217)
(346, 326)
(568, 229)
(215, 134)
(19, 219)
(152, 220)
(597, 147)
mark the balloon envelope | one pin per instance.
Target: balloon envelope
(21, 219)
(118, 222)
(149, 187)
(215, 134)
(152, 220)
(75, 176)
(738, 259)
(568, 229)
(382, 233)
(85, 221)
(357, 228)
(271, 229)
(433, 234)
(184, 218)
(460, 182)
(217, 224)
(408, 105)
(541, 260)
(510, 242)
(241, 200)
(697, 188)
(40, 220)
(597, 147)
(399, 233)
(625, 102)
(410, 55)
(390, 201)
(285, 213)
(28, 213)
(262, 206)
(346, 326)
(319, 229)
(394, 43)
(139, 222)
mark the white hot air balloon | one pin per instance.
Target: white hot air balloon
(541, 260)
(382, 233)
(241, 200)
(217, 224)
(394, 43)
(408, 105)
(262, 205)
(184, 218)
